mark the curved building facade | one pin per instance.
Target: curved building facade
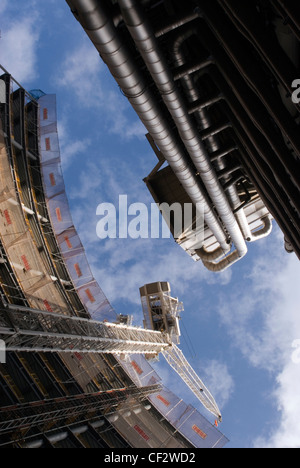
(51, 398)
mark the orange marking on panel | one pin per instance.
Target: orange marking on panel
(199, 432)
(52, 179)
(141, 432)
(48, 306)
(78, 270)
(136, 368)
(7, 217)
(25, 263)
(90, 295)
(58, 214)
(68, 242)
(163, 400)
(48, 144)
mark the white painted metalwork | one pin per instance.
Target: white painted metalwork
(28, 330)
(24, 329)
(175, 358)
(161, 312)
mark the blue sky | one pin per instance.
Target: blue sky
(242, 324)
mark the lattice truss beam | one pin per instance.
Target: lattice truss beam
(178, 362)
(24, 329)
(38, 413)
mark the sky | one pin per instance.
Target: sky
(240, 328)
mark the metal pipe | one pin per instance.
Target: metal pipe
(145, 40)
(268, 190)
(205, 122)
(223, 264)
(223, 151)
(215, 129)
(117, 16)
(265, 183)
(265, 186)
(232, 258)
(232, 43)
(249, 23)
(288, 20)
(260, 170)
(101, 30)
(178, 23)
(265, 230)
(207, 256)
(189, 69)
(269, 144)
(292, 9)
(288, 246)
(278, 210)
(267, 221)
(265, 159)
(203, 103)
(227, 171)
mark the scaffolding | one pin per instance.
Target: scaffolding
(20, 237)
(72, 251)
(35, 414)
(25, 329)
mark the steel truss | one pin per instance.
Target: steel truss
(37, 413)
(25, 329)
(178, 362)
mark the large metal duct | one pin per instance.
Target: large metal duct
(214, 145)
(146, 42)
(102, 32)
(203, 117)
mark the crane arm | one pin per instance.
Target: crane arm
(178, 362)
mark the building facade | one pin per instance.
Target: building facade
(216, 85)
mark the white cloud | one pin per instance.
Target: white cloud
(84, 75)
(70, 147)
(81, 73)
(127, 264)
(120, 124)
(263, 320)
(271, 298)
(219, 382)
(131, 263)
(19, 44)
(287, 398)
(89, 182)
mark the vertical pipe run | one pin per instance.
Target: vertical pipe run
(101, 30)
(213, 141)
(146, 43)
